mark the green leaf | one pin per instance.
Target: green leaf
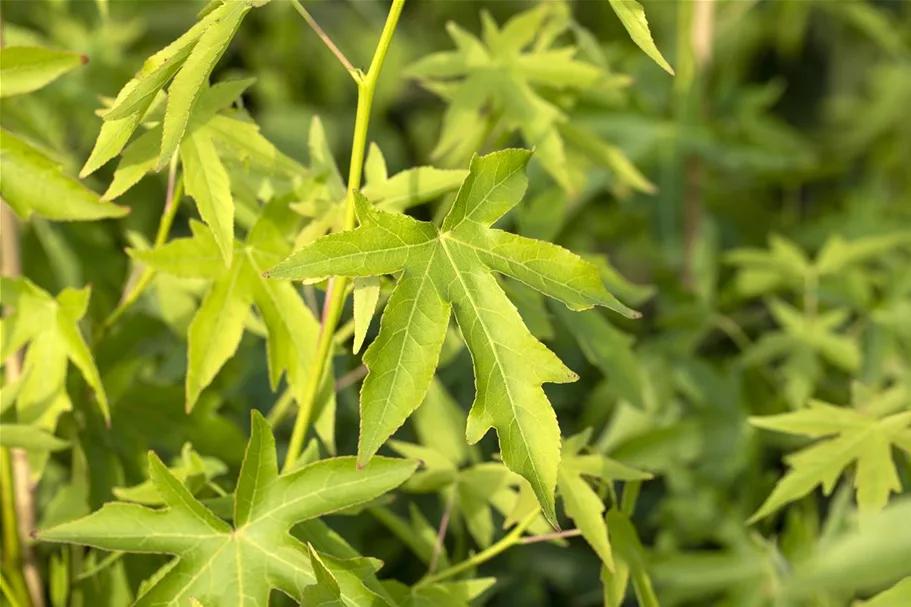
(326, 591)
(864, 435)
(366, 296)
(442, 594)
(410, 187)
(498, 72)
(50, 326)
(192, 470)
(30, 438)
(207, 181)
(24, 69)
(631, 555)
(580, 501)
(837, 254)
(610, 350)
(221, 565)
(30, 182)
(875, 553)
(896, 596)
(452, 268)
(194, 75)
(216, 329)
(632, 15)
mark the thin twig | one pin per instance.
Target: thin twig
(141, 276)
(556, 535)
(702, 36)
(509, 540)
(441, 534)
(324, 36)
(350, 377)
(23, 496)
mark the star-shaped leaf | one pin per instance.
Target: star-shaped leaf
(50, 327)
(500, 71)
(865, 434)
(218, 325)
(451, 269)
(220, 565)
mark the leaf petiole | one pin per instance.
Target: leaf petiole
(508, 541)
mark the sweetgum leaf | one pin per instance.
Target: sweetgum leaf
(26, 69)
(450, 268)
(194, 75)
(224, 565)
(50, 327)
(216, 329)
(500, 72)
(189, 61)
(865, 435)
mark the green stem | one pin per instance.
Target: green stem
(508, 541)
(11, 551)
(172, 202)
(7, 591)
(337, 291)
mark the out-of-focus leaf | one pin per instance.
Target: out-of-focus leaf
(632, 15)
(32, 183)
(24, 69)
(865, 435)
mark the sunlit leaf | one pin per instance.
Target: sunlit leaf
(454, 265)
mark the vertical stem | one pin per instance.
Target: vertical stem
(141, 278)
(702, 30)
(336, 294)
(18, 500)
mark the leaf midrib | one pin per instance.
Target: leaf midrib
(407, 329)
(506, 386)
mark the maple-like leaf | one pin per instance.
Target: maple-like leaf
(189, 61)
(224, 565)
(451, 269)
(500, 71)
(864, 434)
(216, 329)
(50, 327)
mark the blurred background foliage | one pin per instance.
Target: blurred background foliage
(794, 133)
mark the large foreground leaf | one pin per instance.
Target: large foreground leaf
(224, 566)
(451, 268)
